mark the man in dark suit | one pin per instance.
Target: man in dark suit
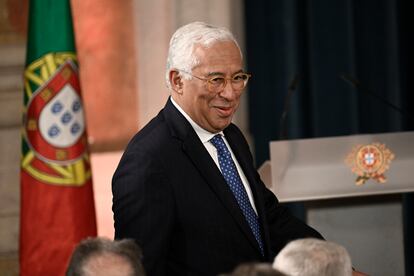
(186, 188)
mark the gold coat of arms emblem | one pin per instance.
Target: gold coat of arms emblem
(370, 162)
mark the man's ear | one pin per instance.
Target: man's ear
(176, 81)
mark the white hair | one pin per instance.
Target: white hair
(313, 257)
(181, 52)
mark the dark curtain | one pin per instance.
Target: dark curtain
(320, 41)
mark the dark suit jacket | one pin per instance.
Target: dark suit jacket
(169, 195)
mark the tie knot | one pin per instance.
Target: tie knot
(218, 143)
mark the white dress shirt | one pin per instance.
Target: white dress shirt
(205, 137)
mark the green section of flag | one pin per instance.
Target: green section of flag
(50, 28)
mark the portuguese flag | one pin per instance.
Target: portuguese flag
(57, 207)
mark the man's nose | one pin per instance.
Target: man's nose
(228, 91)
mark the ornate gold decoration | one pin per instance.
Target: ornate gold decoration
(370, 161)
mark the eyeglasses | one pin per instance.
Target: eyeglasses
(216, 84)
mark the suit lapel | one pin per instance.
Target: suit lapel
(197, 153)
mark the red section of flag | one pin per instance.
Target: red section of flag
(54, 219)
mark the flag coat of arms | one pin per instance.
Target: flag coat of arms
(57, 206)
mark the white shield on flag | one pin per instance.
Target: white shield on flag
(55, 120)
(61, 122)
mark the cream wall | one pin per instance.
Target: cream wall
(11, 97)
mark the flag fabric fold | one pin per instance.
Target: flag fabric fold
(57, 206)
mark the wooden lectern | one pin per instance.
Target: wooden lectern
(365, 218)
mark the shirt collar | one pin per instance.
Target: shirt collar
(204, 135)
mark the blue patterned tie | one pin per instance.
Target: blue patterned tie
(232, 177)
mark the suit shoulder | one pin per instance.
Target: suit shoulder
(151, 136)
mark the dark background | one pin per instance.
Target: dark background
(319, 41)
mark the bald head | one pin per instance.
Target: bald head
(102, 256)
(108, 264)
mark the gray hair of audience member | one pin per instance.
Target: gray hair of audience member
(255, 269)
(313, 257)
(90, 248)
(181, 51)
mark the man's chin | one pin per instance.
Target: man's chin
(222, 125)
